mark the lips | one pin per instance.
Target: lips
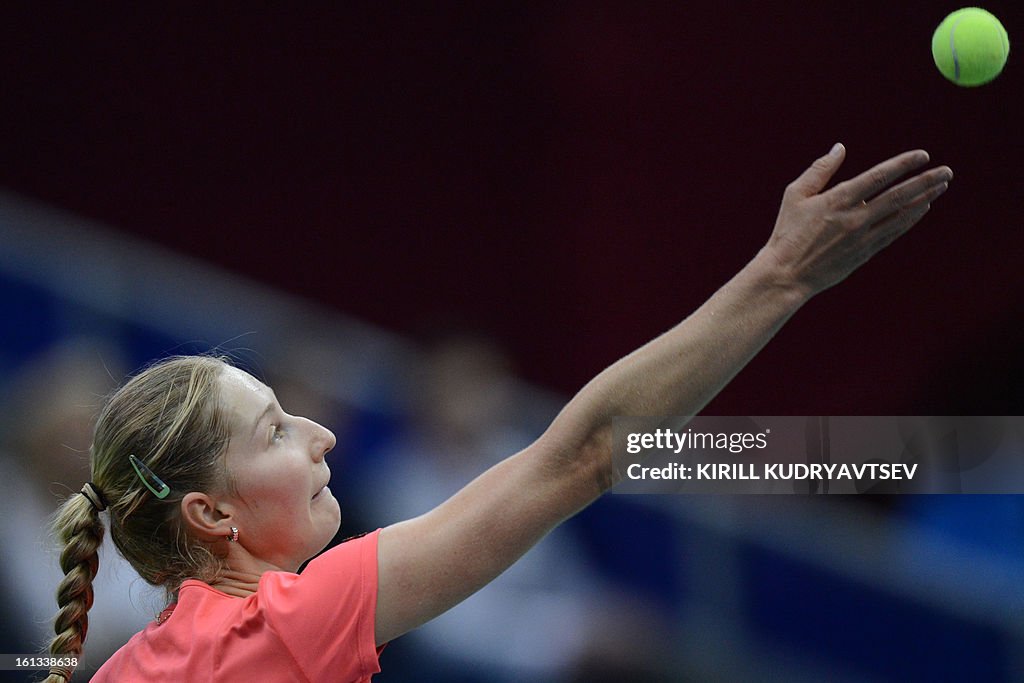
(322, 488)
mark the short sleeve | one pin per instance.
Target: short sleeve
(325, 615)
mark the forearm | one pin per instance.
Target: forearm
(677, 373)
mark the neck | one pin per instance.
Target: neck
(239, 584)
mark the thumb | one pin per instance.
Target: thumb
(816, 177)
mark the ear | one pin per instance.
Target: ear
(205, 517)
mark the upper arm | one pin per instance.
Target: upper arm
(428, 564)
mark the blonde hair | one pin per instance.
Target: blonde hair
(169, 417)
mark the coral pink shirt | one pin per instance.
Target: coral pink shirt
(314, 626)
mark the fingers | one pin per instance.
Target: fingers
(814, 179)
(899, 222)
(921, 188)
(877, 179)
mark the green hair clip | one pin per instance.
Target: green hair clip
(154, 483)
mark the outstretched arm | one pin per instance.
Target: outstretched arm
(430, 563)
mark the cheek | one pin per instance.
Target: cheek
(268, 491)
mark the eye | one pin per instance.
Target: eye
(276, 433)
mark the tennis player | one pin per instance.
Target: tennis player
(214, 492)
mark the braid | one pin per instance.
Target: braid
(77, 525)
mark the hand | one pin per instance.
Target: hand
(822, 237)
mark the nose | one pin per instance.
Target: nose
(323, 441)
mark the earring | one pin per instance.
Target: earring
(233, 538)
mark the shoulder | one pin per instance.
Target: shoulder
(333, 584)
(355, 558)
(330, 608)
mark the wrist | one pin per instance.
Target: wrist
(771, 274)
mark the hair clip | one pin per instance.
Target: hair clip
(154, 483)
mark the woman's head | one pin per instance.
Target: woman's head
(191, 420)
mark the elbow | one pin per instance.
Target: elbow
(582, 465)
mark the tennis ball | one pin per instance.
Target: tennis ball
(970, 47)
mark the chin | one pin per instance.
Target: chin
(331, 530)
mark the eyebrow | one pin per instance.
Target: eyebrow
(270, 407)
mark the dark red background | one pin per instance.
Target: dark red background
(572, 178)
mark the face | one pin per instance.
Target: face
(281, 503)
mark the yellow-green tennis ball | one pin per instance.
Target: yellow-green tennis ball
(970, 46)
